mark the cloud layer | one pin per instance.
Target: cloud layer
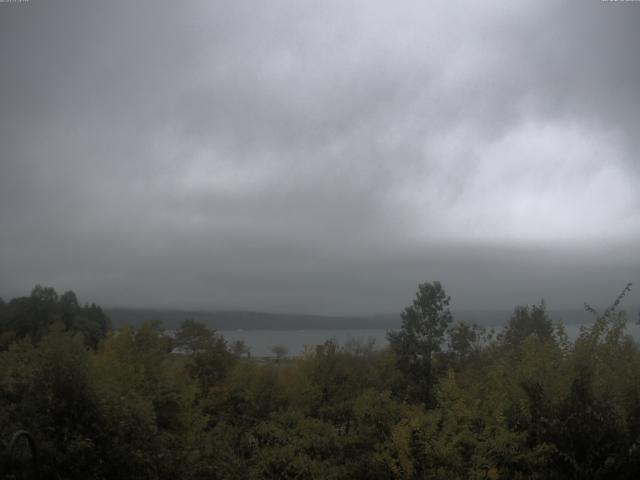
(319, 156)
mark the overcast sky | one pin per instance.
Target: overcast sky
(320, 156)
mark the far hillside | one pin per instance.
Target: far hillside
(246, 320)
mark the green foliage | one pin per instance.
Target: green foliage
(47, 391)
(148, 405)
(33, 316)
(466, 341)
(443, 402)
(208, 359)
(240, 348)
(424, 325)
(528, 321)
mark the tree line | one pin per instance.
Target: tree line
(445, 400)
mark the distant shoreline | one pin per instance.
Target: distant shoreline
(246, 320)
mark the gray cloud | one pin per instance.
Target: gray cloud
(319, 156)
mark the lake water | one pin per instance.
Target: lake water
(260, 342)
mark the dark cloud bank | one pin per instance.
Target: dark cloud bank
(320, 157)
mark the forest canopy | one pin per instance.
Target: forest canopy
(445, 400)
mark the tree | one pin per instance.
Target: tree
(279, 351)
(527, 321)
(46, 390)
(34, 316)
(193, 336)
(466, 339)
(240, 348)
(208, 358)
(424, 325)
(151, 423)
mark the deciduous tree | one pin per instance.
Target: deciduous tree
(424, 324)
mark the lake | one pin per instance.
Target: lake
(260, 342)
